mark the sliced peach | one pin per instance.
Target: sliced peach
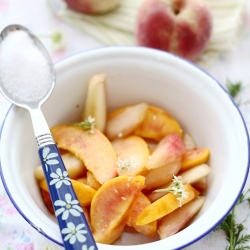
(133, 154)
(86, 211)
(157, 195)
(175, 221)
(82, 180)
(111, 207)
(94, 149)
(194, 174)
(201, 184)
(160, 176)
(165, 205)
(91, 181)
(154, 196)
(188, 141)
(47, 201)
(170, 149)
(74, 166)
(157, 124)
(96, 104)
(141, 203)
(194, 157)
(122, 122)
(83, 192)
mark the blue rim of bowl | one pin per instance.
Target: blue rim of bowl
(161, 52)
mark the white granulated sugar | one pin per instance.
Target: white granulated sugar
(24, 71)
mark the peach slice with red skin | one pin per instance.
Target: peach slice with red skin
(192, 176)
(165, 205)
(169, 149)
(94, 149)
(111, 207)
(193, 157)
(133, 154)
(148, 229)
(91, 181)
(157, 124)
(175, 221)
(96, 103)
(93, 7)
(124, 121)
(162, 175)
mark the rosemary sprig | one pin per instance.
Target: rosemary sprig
(233, 230)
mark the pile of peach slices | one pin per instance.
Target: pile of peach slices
(133, 170)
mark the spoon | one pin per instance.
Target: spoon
(74, 229)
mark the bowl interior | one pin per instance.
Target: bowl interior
(134, 75)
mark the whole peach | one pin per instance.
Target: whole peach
(92, 6)
(181, 27)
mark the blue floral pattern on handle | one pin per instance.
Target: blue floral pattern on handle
(60, 178)
(48, 158)
(67, 207)
(75, 230)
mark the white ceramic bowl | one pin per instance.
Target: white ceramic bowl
(135, 75)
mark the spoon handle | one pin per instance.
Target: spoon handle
(74, 228)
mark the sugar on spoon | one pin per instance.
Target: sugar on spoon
(27, 78)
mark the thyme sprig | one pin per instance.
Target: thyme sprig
(177, 189)
(87, 124)
(125, 164)
(233, 230)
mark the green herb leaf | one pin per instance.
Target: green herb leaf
(56, 36)
(233, 230)
(57, 39)
(234, 88)
(87, 125)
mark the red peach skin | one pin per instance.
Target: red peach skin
(182, 27)
(169, 149)
(175, 221)
(92, 6)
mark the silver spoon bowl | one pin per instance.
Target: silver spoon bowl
(75, 231)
